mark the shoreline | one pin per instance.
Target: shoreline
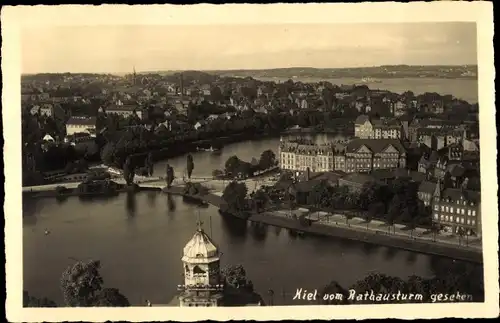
(315, 228)
(350, 233)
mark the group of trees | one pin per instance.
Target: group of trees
(82, 286)
(234, 196)
(464, 278)
(396, 202)
(235, 167)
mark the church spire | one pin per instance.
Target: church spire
(134, 77)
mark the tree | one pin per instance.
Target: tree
(81, 283)
(107, 153)
(31, 301)
(170, 175)
(150, 164)
(111, 297)
(190, 165)
(374, 210)
(267, 159)
(461, 233)
(394, 211)
(334, 294)
(235, 277)
(234, 195)
(260, 199)
(435, 228)
(128, 171)
(232, 165)
(370, 192)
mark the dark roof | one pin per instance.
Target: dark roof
(455, 194)
(90, 121)
(427, 187)
(456, 170)
(375, 145)
(417, 176)
(127, 107)
(361, 119)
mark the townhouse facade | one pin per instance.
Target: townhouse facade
(457, 209)
(357, 155)
(364, 128)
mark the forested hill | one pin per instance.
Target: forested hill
(388, 71)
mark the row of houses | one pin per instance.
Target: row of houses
(357, 155)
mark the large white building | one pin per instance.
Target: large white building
(81, 125)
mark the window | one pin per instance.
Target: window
(442, 208)
(447, 218)
(473, 213)
(447, 209)
(436, 216)
(468, 222)
(473, 222)
(442, 217)
(463, 211)
(462, 220)
(468, 212)
(451, 209)
(457, 219)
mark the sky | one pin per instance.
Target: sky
(118, 48)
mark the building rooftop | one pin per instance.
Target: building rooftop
(200, 247)
(375, 145)
(427, 187)
(85, 121)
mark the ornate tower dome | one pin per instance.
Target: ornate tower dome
(202, 277)
(200, 248)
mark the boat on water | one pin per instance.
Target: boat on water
(211, 149)
(370, 80)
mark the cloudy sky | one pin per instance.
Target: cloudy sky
(153, 48)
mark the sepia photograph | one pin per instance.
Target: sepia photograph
(284, 164)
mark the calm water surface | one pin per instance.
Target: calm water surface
(464, 89)
(139, 240)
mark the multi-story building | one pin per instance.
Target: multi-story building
(48, 110)
(299, 156)
(364, 155)
(125, 110)
(81, 125)
(457, 208)
(387, 129)
(364, 128)
(358, 155)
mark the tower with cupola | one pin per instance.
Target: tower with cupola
(201, 269)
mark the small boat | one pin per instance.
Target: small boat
(47, 232)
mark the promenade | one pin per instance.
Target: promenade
(322, 223)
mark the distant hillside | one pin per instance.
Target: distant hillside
(396, 71)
